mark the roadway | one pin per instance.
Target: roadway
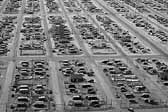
(11, 64)
(92, 62)
(145, 15)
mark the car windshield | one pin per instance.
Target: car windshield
(40, 105)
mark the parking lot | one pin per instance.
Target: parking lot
(32, 37)
(3, 70)
(8, 29)
(83, 55)
(128, 87)
(95, 41)
(81, 89)
(62, 38)
(30, 89)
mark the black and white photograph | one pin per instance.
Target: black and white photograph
(83, 55)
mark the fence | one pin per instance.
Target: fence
(87, 108)
(107, 106)
(60, 107)
(160, 104)
(3, 108)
